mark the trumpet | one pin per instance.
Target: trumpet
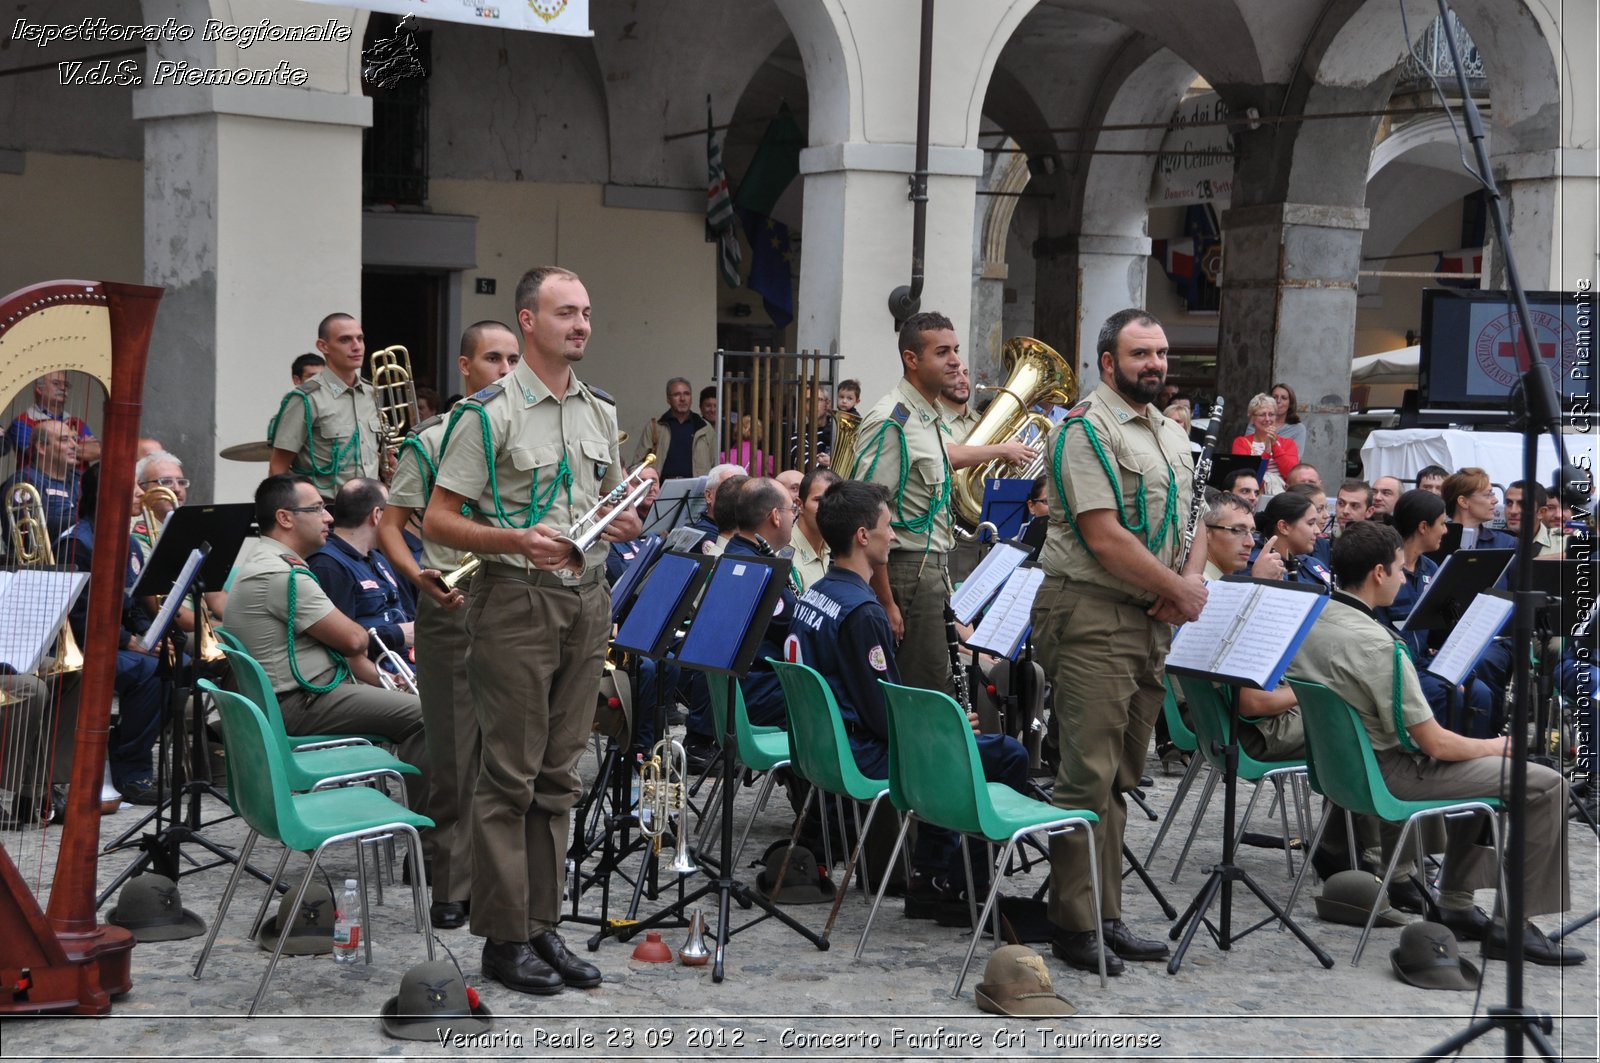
(662, 796)
(463, 572)
(621, 498)
(30, 547)
(401, 677)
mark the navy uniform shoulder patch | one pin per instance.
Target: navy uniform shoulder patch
(900, 414)
(599, 393)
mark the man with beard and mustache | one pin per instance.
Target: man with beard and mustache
(1120, 483)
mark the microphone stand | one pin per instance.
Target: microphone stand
(1543, 415)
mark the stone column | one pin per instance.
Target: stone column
(253, 225)
(1090, 278)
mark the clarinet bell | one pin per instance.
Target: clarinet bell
(694, 952)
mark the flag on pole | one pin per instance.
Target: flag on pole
(719, 206)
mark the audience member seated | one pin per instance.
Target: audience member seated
(1353, 654)
(1431, 478)
(315, 657)
(1288, 410)
(50, 404)
(1281, 453)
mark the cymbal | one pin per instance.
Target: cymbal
(261, 451)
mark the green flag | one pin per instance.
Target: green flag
(776, 163)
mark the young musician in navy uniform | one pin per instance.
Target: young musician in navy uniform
(1295, 521)
(841, 630)
(527, 456)
(355, 575)
(765, 518)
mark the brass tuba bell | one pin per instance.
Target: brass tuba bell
(1036, 376)
(845, 425)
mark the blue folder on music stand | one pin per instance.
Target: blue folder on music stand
(632, 576)
(1005, 504)
(734, 613)
(662, 604)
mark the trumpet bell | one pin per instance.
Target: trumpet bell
(694, 952)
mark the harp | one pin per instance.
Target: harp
(58, 958)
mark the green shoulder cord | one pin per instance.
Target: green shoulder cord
(341, 667)
(940, 502)
(537, 507)
(1140, 526)
(1399, 699)
(425, 466)
(323, 476)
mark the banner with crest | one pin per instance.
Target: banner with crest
(569, 17)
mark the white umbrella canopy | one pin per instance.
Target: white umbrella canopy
(1386, 367)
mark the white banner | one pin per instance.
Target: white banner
(1196, 164)
(569, 17)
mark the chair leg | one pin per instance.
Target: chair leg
(827, 831)
(1184, 785)
(899, 841)
(851, 864)
(972, 900)
(1305, 865)
(1249, 807)
(272, 889)
(761, 803)
(1194, 827)
(794, 838)
(977, 923)
(361, 884)
(1281, 799)
(1094, 884)
(283, 931)
(861, 841)
(1383, 889)
(419, 889)
(227, 896)
(709, 818)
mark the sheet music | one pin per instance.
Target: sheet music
(1470, 637)
(1247, 632)
(169, 608)
(1008, 619)
(35, 604)
(991, 573)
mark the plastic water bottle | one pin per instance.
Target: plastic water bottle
(347, 925)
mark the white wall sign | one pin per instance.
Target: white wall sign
(1196, 161)
(569, 17)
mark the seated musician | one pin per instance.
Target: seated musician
(841, 630)
(28, 768)
(700, 534)
(315, 656)
(1295, 522)
(355, 575)
(623, 553)
(810, 551)
(158, 473)
(53, 472)
(1271, 727)
(138, 686)
(1351, 652)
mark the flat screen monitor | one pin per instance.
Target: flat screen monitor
(1473, 350)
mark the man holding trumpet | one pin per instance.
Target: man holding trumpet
(526, 455)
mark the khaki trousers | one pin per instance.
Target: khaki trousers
(1106, 659)
(454, 744)
(534, 663)
(356, 708)
(921, 588)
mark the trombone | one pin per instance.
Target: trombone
(395, 393)
(30, 547)
(399, 675)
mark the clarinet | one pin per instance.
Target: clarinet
(957, 669)
(1202, 472)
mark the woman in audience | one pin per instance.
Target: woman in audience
(1289, 426)
(1281, 453)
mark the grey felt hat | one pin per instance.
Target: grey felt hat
(1348, 896)
(151, 907)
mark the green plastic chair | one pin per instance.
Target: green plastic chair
(264, 695)
(822, 757)
(1185, 740)
(1345, 770)
(935, 775)
(761, 749)
(1213, 721)
(303, 822)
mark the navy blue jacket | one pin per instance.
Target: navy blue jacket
(365, 589)
(841, 630)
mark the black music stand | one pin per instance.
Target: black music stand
(216, 532)
(1223, 464)
(1005, 504)
(722, 641)
(678, 503)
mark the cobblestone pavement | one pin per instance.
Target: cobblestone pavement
(1267, 998)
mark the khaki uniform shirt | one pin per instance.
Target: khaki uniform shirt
(878, 460)
(810, 564)
(258, 613)
(530, 431)
(1136, 444)
(1351, 653)
(960, 424)
(338, 411)
(413, 483)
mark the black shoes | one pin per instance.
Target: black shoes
(1124, 943)
(1405, 895)
(140, 790)
(935, 897)
(1467, 924)
(448, 915)
(579, 974)
(700, 752)
(516, 966)
(1536, 948)
(1079, 949)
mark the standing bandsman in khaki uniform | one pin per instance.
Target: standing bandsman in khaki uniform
(327, 426)
(489, 351)
(527, 455)
(955, 403)
(902, 445)
(1120, 483)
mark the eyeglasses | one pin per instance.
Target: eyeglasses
(166, 481)
(320, 507)
(1231, 529)
(1036, 502)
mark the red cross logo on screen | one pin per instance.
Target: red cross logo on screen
(1505, 352)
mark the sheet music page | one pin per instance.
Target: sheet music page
(1470, 637)
(1196, 643)
(1246, 631)
(1276, 619)
(992, 572)
(1008, 618)
(35, 604)
(169, 608)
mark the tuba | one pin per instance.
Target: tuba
(395, 393)
(1036, 376)
(845, 425)
(30, 547)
